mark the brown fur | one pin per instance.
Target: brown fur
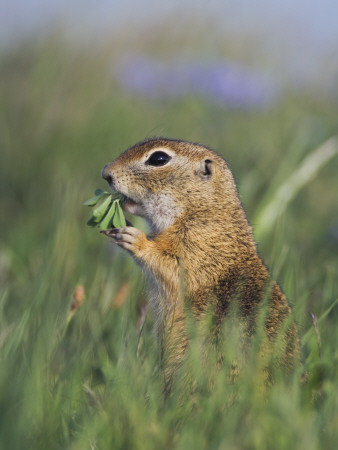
(200, 248)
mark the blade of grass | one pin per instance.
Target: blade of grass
(307, 170)
(307, 335)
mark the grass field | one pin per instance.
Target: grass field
(92, 380)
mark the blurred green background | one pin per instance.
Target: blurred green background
(91, 380)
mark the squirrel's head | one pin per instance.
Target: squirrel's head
(163, 179)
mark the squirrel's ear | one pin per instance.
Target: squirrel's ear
(206, 169)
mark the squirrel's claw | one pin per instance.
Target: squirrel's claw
(129, 238)
(109, 233)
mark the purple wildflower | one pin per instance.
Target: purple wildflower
(224, 83)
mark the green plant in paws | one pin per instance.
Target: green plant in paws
(108, 212)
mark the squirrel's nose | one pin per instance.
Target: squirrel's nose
(106, 174)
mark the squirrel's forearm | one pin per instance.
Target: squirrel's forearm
(153, 257)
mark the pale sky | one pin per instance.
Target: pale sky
(300, 31)
(315, 19)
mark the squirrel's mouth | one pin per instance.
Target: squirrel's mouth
(124, 199)
(128, 204)
(127, 201)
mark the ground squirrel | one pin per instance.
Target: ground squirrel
(200, 249)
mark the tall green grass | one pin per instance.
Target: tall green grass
(95, 381)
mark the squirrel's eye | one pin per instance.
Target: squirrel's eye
(158, 159)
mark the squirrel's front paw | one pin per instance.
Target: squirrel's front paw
(129, 238)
